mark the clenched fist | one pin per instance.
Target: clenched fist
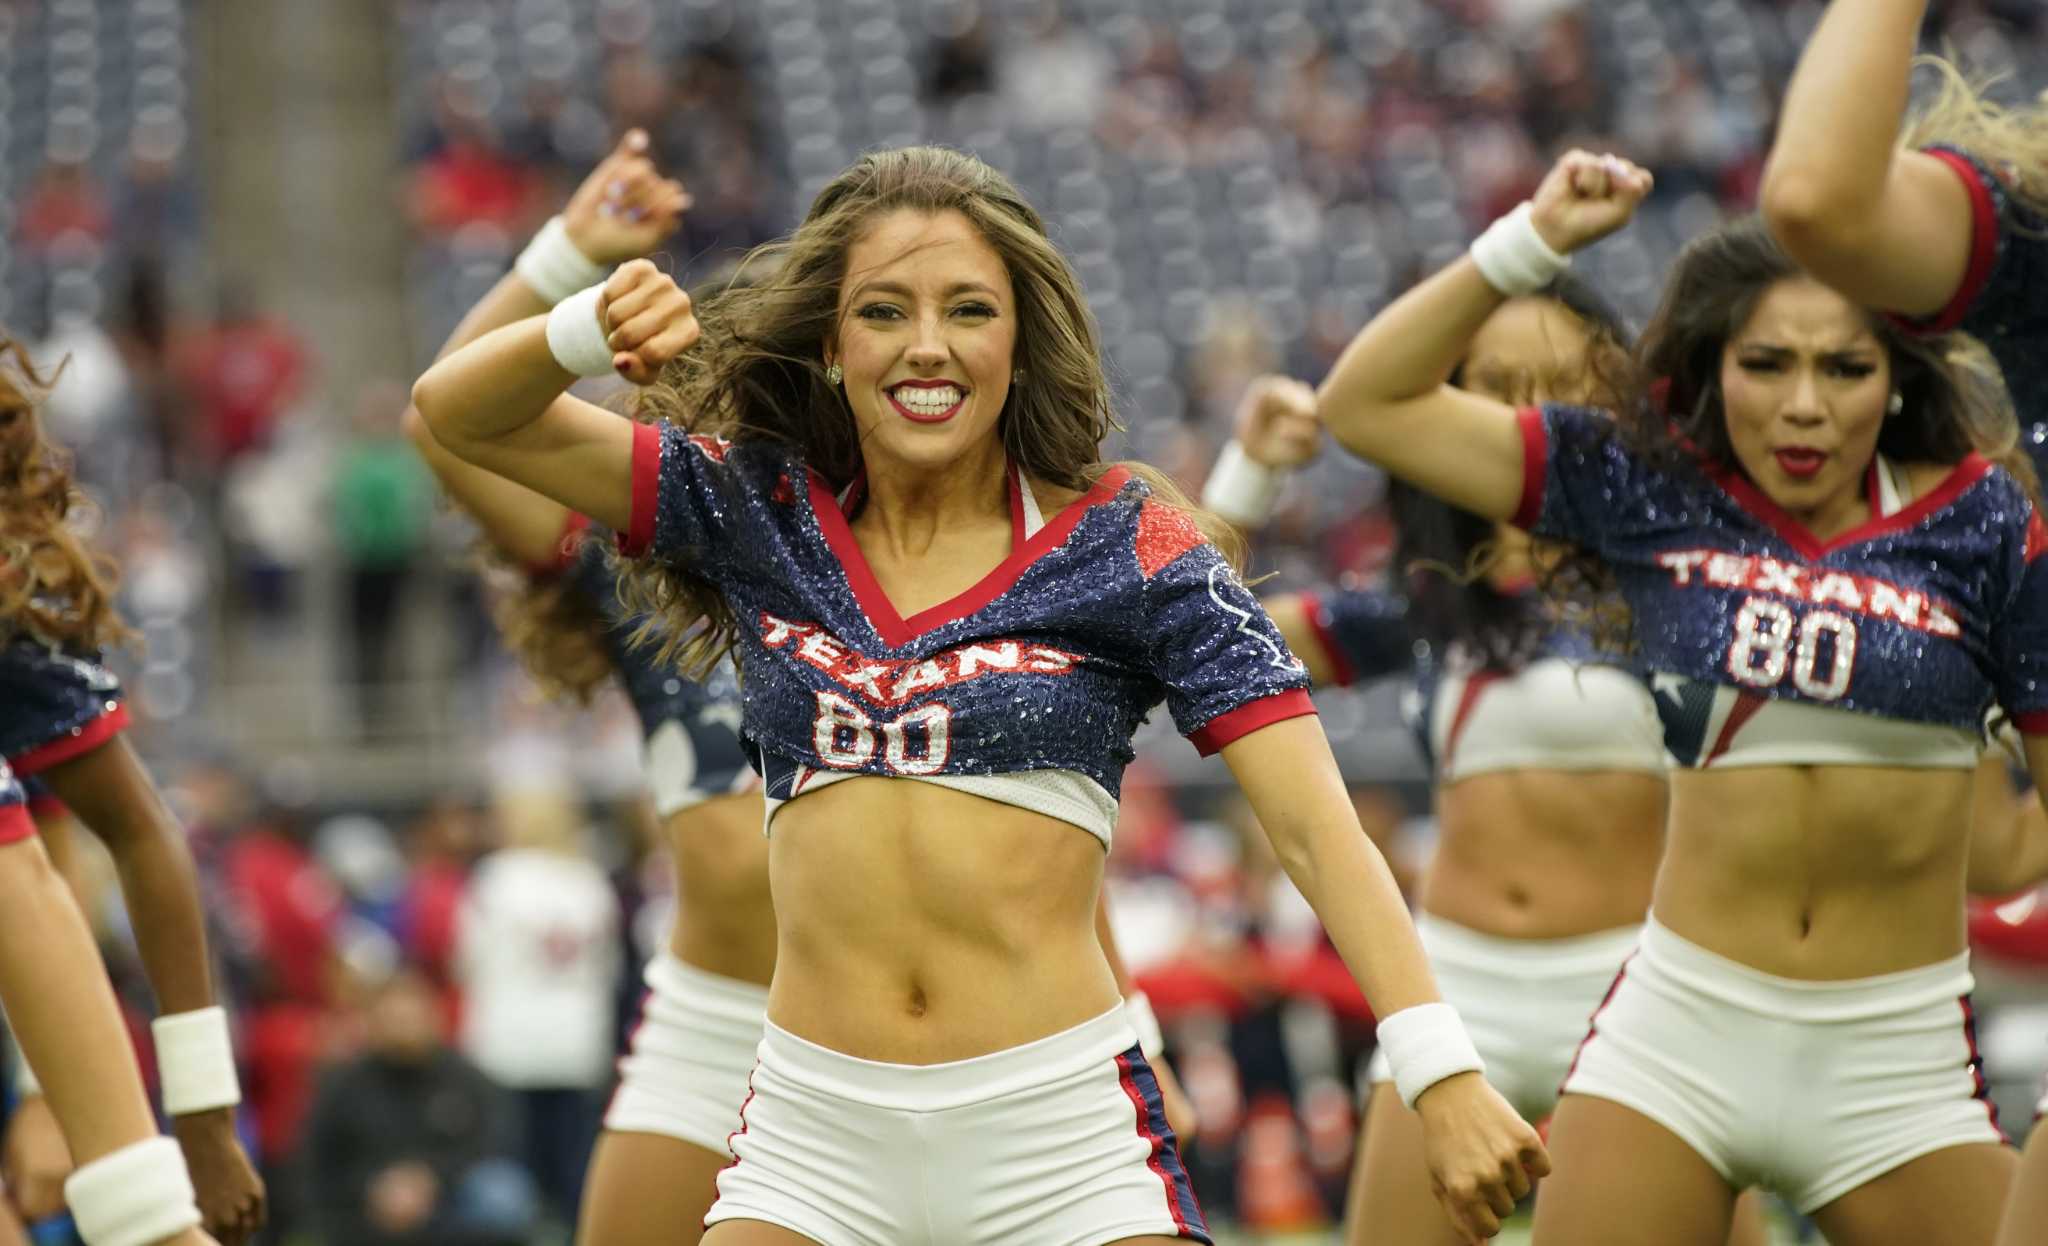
(647, 320)
(1586, 197)
(1276, 422)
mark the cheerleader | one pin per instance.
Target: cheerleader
(951, 618)
(1948, 230)
(1828, 584)
(130, 1186)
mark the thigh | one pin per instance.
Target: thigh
(1949, 1198)
(1750, 1228)
(647, 1190)
(1391, 1196)
(2027, 1210)
(1621, 1179)
(752, 1233)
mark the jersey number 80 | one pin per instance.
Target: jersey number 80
(844, 736)
(1817, 650)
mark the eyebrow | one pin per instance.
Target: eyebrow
(902, 291)
(1774, 348)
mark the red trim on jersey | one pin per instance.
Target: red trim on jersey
(1535, 458)
(1228, 728)
(1468, 700)
(1164, 534)
(1319, 627)
(1980, 1091)
(1745, 708)
(1593, 1022)
(639, 533)
(1155, 1144)
(15, 824)
(893, 628)
(2037, 536)
(72, 744)
(1746, 495)
(1983, 251)
(574, 525)
(2030, 722)
(45, 804)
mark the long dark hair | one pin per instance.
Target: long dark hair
(1444, 552)
(757, 374)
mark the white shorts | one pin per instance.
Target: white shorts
(1807, 1088)
(685, 1071)
(1525, 1002)
(1060, 1142)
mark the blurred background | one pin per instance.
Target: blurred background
(247, 227)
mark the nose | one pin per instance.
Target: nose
(1804, 406)
(928, 348)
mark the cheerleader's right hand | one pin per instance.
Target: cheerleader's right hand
(625, 208)
(1483, 1157)
(1276, 422)
(647, 320)
(1586, 197)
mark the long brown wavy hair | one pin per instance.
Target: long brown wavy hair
(1962, 114)
(1954, 400)
(757, 374)
(549, 623)
(51, 585)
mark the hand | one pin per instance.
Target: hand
(1276, 422)
(1483, 1158)
(1586, 197)
(647, 320)
(1180, 1110)
(402, 1197)
(624, 209)
(231, 1196)
(34, 1160)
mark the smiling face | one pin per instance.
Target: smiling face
(1804, 383)
(927, 338)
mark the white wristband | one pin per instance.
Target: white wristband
(134, 1196)
(196, 1061)
(553, 266)
(1424, 1045)
(1151, 1041)
(1513, 257)
(1242, 489)
(576, 336)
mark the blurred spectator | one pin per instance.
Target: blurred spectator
(64, 200)
(1054, 76)
(240, 373)
(539, 950)
(471, 179)
(408, 1143)
(383, 508)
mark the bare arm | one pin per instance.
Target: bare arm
(1886, 227)
(1290, 615)
(622, 211)
(1481, 1154)
(1386, 400)
(111, 792)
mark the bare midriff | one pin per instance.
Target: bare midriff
(1818, 872)
(1546, 854)
(918, 924)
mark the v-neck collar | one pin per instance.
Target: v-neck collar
(1031, 537)
(1760, 507)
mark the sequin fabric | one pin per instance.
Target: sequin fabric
(707, 714)
(58, 703)
(1051, 662)
(2008, 308)
(1924, 616)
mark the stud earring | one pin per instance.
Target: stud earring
(1897, 403)
(834, 374)
(1017, 377)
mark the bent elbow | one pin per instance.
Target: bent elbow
(1815, 220)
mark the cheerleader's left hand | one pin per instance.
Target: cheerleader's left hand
(1483, 1157)
(232, 1200)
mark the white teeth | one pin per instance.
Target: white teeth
(928, 401)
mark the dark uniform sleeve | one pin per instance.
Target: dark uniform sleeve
(1226, 670)
(1578, 481)
(683, 494)
(2020, 637)
(1363, 634)
(58, 705)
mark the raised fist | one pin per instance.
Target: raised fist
(625, 208)
(647, 320)
(1586, 197)
(1276, 422)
